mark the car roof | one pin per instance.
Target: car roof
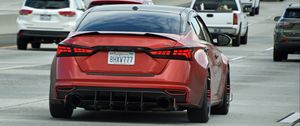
(294, 6)
(152, 8)
(134, 1)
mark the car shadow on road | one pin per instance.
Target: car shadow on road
(131, 117)
(292, 60)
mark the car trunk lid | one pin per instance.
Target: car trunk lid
(111, 47)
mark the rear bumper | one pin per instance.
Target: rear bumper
(288, 47)
(287, 44)
(127, 99)
(184, 89)
(43, 34)
(225, 30)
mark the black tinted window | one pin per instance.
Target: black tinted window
(47, 4)
(292, 13)
(215, 5)
(131, 22)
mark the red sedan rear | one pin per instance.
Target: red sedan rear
(140, 58)
(106, 2)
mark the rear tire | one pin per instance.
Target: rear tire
(60, 110)
(279, 55)
(237, 41)
(223, 108)
(257, 10)
(244, 39)
(252, 12)
(21, 43)
(200, 115)
(36, 45)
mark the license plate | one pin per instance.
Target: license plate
(45, 17)
(121, 58)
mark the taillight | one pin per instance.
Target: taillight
(235, 19)
(284, 25)
(25, 12)
(182, 54)
(67, 13)
(63, 50)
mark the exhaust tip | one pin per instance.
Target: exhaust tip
(164, 102)
(74, 100)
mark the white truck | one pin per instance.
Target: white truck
(251, 6)
(224, 16)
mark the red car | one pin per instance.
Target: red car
(106, 2)
(140, 58)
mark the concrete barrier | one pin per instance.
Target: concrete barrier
(8, 23)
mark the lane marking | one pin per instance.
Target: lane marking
(21, 66)
(23, 104)
(271, 48)
(238, 58)
(243, 57)
(291, 118)
(5, 47)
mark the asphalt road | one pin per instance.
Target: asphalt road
(263, 91)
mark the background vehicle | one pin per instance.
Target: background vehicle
(46, 21)
(224, 16)
(287, 33)
(106, 2)
(141, 58)
(251, 6)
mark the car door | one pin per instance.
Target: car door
(215, 59)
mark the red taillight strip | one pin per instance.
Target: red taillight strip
(235, 19)
(63, 49)
(184, 52)
(160, 52)
(25, 12)
(67, 13)
(82, 50)
(180, 53)
(68, 50)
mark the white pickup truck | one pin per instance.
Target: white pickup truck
(251, 6)
(224, 16)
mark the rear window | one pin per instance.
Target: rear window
(47, 4)
(215, 5)
(129, 21)
(292, 13)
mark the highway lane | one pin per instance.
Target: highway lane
(264, 91)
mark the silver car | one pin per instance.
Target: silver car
(287, 33)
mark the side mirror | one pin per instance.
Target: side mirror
(81, 9)
(222, 40)
(277, 18)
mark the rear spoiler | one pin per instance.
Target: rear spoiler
(161, 35)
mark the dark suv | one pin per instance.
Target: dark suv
(287, 33)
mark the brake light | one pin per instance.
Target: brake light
(235, 19)
(25, 12)
(63, 50)
(67, 13)
(183, 54)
